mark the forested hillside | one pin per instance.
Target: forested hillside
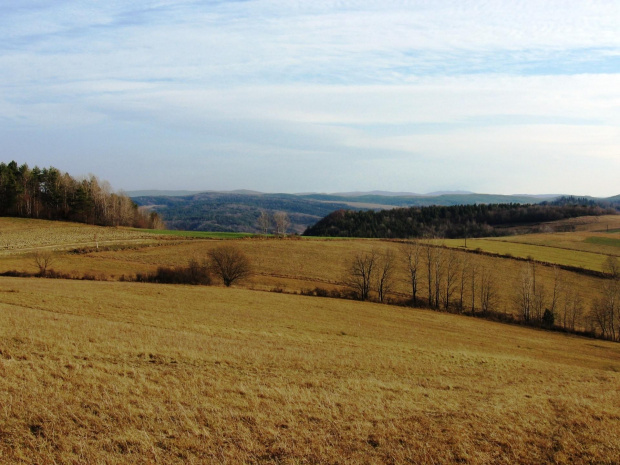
(447, 199)
(448, 222)
(48, 193)
(238, 211)
(609, 202)
(235, 212)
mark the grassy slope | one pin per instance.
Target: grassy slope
(583, 249)
(550, 254)
(292, 265)
(23, 234)
(196, 234)
(117, 372)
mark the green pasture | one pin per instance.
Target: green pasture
(606, 241)
(606, 244)
(544, 253)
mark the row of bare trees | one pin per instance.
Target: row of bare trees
(371, 271)
(438, 277)
(454, 281)
(535, 305)
(277, 222)
(450, 280)
(564, 304)
(605, 310)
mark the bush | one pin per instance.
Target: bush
(17, 274)
(320, 292)
(230, 264)
(193, 273)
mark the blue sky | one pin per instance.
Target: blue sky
(297, 96)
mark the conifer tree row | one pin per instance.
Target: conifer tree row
(478, 220)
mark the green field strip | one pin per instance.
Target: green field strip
(567, 257)
(608, 241)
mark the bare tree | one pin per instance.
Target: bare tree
(385, 276)
(488, 290)
(538, 295)
(524, 297)
(429, 257)
(606, 308)
(282, 223)
(451, 269)
(576, 309)
(230, 264)
(44, 260)
(360, 273)
(433, 264)
(556, 291)
(265, 222)
(538, 304)
(438, 270)
(600, 315)
(465, 264)
(412, 256)
(155, 221)
(473, 273)
(572, 307)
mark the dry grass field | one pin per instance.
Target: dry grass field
(116, 373)
(23, 234)
(298, 265)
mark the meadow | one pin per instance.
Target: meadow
(114, 373)
(301, 265)
(23, 235)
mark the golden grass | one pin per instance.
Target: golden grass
(106, 372)
(23, 234)
(291, 265)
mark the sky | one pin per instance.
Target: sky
(493, 96)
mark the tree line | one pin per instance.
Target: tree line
(48, 193)
(437, 277)
(481, 220)
(445, 279)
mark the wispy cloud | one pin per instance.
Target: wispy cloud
(376, 91)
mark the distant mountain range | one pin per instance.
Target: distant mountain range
(181, 193)
(238, 211)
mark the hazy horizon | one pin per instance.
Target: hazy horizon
(293, 96)
(386, 193)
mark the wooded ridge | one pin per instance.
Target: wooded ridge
(449, 222)
(51, 194)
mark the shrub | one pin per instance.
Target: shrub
(230, 264)
(320, 292)
(193, 273)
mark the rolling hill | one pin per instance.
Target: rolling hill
(177, 374)
(101, 369)
(238, 211)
